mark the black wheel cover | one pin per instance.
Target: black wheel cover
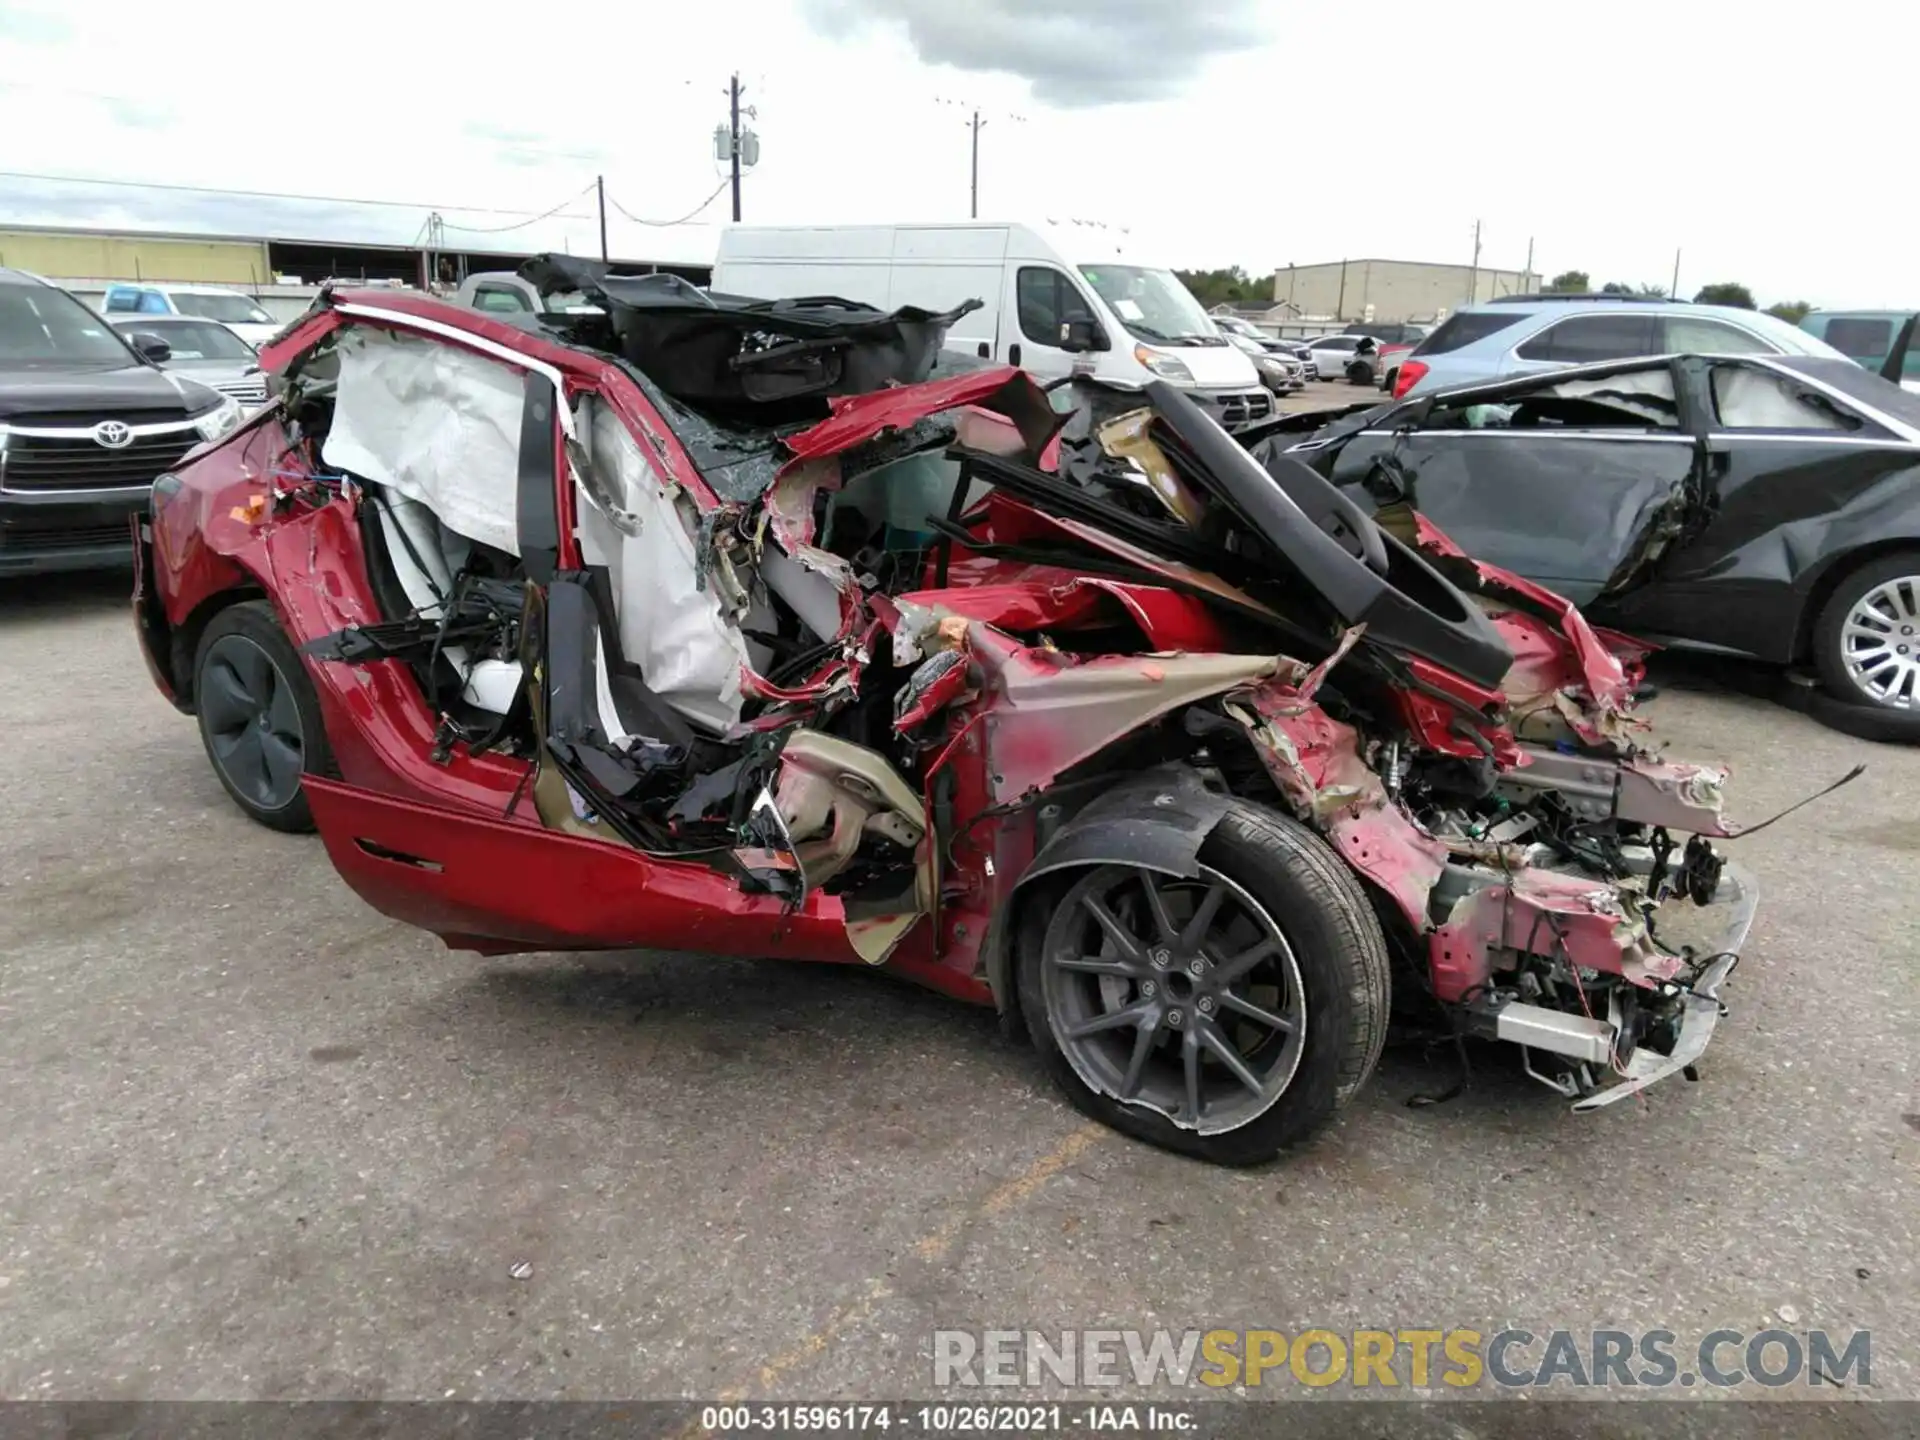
(254, 734)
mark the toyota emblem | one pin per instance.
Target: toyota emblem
(114, 434)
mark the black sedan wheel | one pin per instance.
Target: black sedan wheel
(1225, 1015)
(1867, 639)
(259, 718)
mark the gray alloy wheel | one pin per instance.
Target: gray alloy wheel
(1880, 642)
(1177, 996)
(254, 733)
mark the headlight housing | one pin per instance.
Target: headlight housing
(219, 420)
(1167, 367)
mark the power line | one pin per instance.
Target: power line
(683, 219)
(519, 224)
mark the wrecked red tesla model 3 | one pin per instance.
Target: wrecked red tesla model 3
(742, 629)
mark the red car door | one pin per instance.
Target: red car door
(511, 884)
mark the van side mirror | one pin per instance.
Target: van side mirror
(1082, 334)
(150, 346)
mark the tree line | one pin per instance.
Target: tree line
(1234, 286)
(1722, 292)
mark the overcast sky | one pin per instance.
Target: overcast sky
(1767, 142)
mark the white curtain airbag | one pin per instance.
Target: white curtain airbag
(432, 422)
(688, 653)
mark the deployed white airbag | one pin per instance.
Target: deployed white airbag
(1754, 400)
(688, 652)
(434, 423)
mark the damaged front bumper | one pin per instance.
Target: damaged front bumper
(1590, 1047)
(1701, 1003)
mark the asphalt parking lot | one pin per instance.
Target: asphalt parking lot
(261, 1142)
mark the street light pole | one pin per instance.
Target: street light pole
(600, 192)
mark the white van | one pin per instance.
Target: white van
(1057, 299)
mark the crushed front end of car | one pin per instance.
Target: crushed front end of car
(750, 628)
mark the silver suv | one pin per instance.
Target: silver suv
(1528, 333)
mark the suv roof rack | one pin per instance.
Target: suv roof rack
(1563, 295)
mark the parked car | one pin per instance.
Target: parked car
(1350, 356)
(1868, 337)
(1767, 506)
(202, 350)
(1303, 352)
(1389, 362)
(1104, 726)
(1233, 325)
(1280, 373)
(1529, 334)
(86, 423)
(1392, 332)
(208, 302)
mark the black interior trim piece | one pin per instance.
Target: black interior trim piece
(536, 506)
(1399, 609)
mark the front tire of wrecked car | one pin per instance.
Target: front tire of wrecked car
(1360, 373)
(1226, 1016)
(259, 716)
(1866, 640)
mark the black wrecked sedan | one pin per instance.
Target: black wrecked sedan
(1767, 507)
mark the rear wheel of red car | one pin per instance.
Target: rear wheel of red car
(1225, 1016)
(259, 716)
(1866, 641)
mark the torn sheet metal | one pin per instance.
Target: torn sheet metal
(1583, 677)
(1674, 794)
(1128, 437)
(859, 418)
(1545, 913)
(1316, 762)
(435, 423)
(1047, 711)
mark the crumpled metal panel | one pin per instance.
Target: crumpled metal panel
(1544, 912)
(1316, 762)
(1047, 711)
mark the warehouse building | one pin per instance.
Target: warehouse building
(86, 234)
(1393, 289)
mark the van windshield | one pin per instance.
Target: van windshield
(1152, 304)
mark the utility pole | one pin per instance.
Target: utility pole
(1674, 293)
(600, 191)
(1340, 305)
(738, 148)
(733, 128)
(973, 210)
(1473, 275)
(1527, 278)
